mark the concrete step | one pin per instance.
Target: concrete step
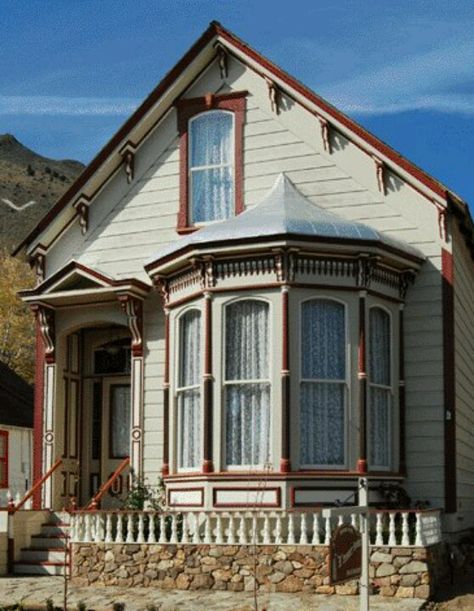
(38, 568)
(50, 529)
(45, 542)
(42, 555)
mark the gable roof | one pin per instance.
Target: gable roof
(284, 211)
(217, 33)
(16, 399)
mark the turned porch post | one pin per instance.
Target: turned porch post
(362, 375)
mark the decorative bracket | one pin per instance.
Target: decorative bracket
(162, 285)
(285, 265)
(38, 263)
(366, 268)
(442, 220)
(133, 308)
(128, 156)
(82, 208)
(205, 267)
(407, 277)
(222, 60)
(380, 172)
(325, 134)
(274, 95)
(46, 327)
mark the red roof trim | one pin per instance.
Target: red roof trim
(216, 29)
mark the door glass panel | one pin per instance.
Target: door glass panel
(119, 421)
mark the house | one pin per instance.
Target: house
(16, 434)
(248, 295)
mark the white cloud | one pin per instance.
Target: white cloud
(440, 80)
(58, 105)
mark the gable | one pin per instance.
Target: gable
(291, 95)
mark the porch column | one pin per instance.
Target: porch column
(133, 308)
(362, 374)
(208, 464)
(285, 461)
(44, 414)
(165, 469)
(401, 392)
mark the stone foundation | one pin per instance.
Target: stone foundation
(402, 572)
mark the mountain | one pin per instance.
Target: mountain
(31, 183)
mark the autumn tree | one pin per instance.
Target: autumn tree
(17, 334)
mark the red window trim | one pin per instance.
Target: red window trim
(4, 460)
(187, 108)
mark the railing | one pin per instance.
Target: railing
(388, 528)
(14, 507)
(95, 501)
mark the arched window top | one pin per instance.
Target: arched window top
(211, 139)
(211, 166)
(246, 329)
(323, 325)
(379, 346)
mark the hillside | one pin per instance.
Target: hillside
(30, 182)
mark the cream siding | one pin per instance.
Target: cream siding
(129, 223)
(20, 448)
(464, 353)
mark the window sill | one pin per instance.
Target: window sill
(186, 230)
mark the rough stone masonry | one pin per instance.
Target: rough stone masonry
(398, 571)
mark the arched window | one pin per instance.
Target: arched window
(189, 391)
(380, 388)
(323, 383)
(211, 166)
(247, 383)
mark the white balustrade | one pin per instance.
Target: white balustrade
(387, 527)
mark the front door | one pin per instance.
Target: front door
(110, 433)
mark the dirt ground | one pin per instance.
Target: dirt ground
(453, 598)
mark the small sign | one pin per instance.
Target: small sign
(345, 554)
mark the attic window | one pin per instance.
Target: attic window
(211, 132)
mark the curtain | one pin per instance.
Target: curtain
(322, 392)
(189, 390)
(211, 166)
(379, 388)
(120, 421)
(247, 403)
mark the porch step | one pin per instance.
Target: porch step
(42, 555)
(46, 555)
(39, 568)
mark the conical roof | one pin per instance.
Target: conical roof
(284, 211)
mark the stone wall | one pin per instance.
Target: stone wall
(402, 572)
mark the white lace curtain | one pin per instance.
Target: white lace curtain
(189, 391)
(211, 172)
(247, 387)
(323, 383)
(380, 394)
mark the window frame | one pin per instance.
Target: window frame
(4, 459)
(224, 382)
(348, 390)
(177, 388)
(187, 109)
(393, 400)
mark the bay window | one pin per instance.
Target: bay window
(380, 388)
(188, 392)
(247, 388)
(323, 383)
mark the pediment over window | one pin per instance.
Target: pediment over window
(76, 284)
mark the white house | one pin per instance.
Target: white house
(16, 434)
(254, 298)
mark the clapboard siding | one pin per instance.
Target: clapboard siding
(464, 360)
(132, 222)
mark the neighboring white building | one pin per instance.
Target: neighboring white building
(245, 286)
(16, 434)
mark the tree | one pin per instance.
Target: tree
(17, 325)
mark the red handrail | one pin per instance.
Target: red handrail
(12, 508)
(94, 502)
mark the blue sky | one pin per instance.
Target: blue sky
(73, 70)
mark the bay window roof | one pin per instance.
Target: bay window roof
(284, 212)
